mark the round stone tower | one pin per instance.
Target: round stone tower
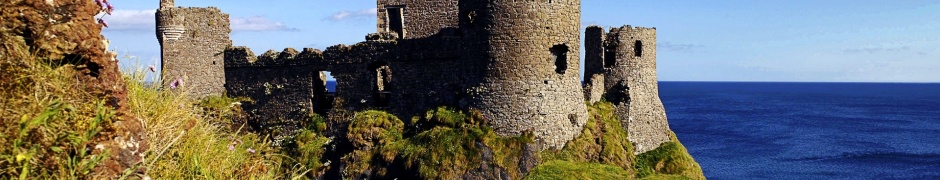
(169, 25)
(531, 77)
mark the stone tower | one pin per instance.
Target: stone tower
(531, 80)
(192, 41)
(631, 84)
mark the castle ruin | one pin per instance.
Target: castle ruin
(516, 62)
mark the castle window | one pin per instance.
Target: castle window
(383, 83)
(610, 57)
(560, 54)
(638, 48)
(396, 20)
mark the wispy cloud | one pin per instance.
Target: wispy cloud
(143, 21)
(877, 49)
(350, 15)
(258, 23)
(679, 46)
(131, 20)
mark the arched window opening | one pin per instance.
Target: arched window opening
(383, 83)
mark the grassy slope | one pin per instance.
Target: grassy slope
(48, 125)
(603, 145)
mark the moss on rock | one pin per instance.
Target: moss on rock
(603, 140)
(671, 158)
(449, 144)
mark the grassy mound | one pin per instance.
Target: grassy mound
(574, 170)
(445, 144)
(603, 144)
(603, 140)
(670, 160)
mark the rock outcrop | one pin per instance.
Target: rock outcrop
(67, 32)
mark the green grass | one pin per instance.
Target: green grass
(671, 158)
(48, 125)
(193, 139)
(577, 170)
(603, 140)
(444, 144)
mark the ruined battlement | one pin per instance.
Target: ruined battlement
(243, 57)
(515, 62)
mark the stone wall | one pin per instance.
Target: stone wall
(403, 77)
(422, 18)
(284, 87)
(192, 41)
(594, 38)
(631, 84)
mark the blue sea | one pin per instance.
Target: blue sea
(808, 130)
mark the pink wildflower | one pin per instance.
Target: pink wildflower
(177, 83)
(101, 21)
(251, 150)
(231, 147)
(110, 9)
(152, 68)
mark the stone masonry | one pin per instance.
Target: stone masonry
(531, 80)
(516, 62)
(192, 41)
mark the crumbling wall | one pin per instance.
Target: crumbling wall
(532, 78)
(594, 37)
(417, 74)
(631, 84)
(283, 87)
(192, 41)
(422, 18)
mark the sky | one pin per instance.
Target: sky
(715, 40)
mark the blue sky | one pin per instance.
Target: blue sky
(716, 40)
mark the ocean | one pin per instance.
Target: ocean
(808, 130)
(738, 130)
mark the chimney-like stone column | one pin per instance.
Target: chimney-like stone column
(166, 4)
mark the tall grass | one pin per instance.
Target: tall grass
(193, 139)
(49, 125)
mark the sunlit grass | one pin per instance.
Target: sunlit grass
(48, 124)
(193, 138)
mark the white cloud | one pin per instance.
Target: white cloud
(877, 49)
(143, 20)
(131, 20)
(348, 15)
(258, 23)
(679, 46)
